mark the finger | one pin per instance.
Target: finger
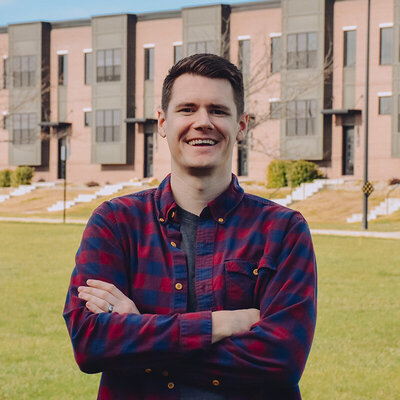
(93, 308)
(100, 293)
(109, 287)
(96, 301)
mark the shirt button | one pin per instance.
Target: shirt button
(178, 286)
(147, 370)
(221, 220)
(171, 385)
(164, 373)
(161, 219)
(255, 271)
(173, 244)
(215, 382)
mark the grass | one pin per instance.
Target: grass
(355, 355)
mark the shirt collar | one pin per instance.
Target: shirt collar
(220, 208)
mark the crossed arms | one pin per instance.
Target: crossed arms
(257, 346)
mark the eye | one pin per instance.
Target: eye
(218, 111)
(185, 110)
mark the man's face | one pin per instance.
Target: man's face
(201, 125)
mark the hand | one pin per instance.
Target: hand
(227, 323)
(100, 295)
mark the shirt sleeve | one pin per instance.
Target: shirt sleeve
(123, 342)
(275, 350)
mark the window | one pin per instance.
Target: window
(149, 64)
(275, 109)
(244, 56)
(178, 53)
(275, 54)
(5, 73)
(88, 118)
(349, 56)
(385, 105)
(300, 118)
(24, 128)
(302, 50)
(201, 47)
(24, 70)
(88, 68)
(108, 125)
(108, 65)
(62, 70)
(386, 46)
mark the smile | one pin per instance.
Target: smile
(202, 142)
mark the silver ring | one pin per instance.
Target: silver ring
(110, 308)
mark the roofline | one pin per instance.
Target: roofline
(255, 5)
(168, 14)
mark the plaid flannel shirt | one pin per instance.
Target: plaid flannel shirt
(250, 252)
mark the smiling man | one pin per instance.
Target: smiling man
(195, 290)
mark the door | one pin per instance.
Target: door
(148, 155)
(62, 155)
(348, 150)
(242, 158)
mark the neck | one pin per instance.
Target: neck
(193, 193)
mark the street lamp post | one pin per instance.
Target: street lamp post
(366, 193)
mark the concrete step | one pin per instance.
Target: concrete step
(386, 207)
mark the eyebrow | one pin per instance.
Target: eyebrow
(212, 105)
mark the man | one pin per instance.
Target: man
(195, 289)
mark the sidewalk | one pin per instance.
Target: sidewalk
(336, 232)
(44, 220)
(333, 232)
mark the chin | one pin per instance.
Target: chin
(201, 170)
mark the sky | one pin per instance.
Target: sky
(15, 11)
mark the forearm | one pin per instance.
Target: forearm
(135, 342)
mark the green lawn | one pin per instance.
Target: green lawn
(356, 352)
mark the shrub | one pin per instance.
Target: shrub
(22, 176)
(277, 173)
(393, 181)
(5, 178)
(302, 171)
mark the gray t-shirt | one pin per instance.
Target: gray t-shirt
(189, 224)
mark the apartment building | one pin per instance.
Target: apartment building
(88, 90)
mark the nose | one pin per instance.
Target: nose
(203, 121)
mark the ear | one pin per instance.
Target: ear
(242, 126)
(161, 123)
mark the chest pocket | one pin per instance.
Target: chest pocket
(240, 282)
(245, 282)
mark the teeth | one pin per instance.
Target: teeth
(202, 141)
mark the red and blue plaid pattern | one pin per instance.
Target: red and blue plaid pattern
(251, 252)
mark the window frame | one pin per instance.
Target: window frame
(301, 51)
(62, 69)
(385, 109)
(275, 54)
(149, 55)
(108, 126)
(384, 50)
(108, 65)
(301, 117)
(24, 71)
(244, 56)
(26, 132)
(88, 60)
(349, 36)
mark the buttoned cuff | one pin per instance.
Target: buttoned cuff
(196, 331)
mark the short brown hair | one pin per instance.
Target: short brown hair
(209, 66)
